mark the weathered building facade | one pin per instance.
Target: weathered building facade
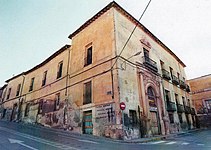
(81, 86)
(201, 98)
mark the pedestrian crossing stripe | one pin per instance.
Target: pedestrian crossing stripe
(169, 143)
(185, 143)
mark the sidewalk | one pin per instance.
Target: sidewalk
(86, 136)
(162, 137)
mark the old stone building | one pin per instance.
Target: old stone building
(201, 98)
(81, 86)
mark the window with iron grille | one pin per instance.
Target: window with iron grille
(88, 58)
(40, 106)
(59, 71)
(44, 78)
(57, 101)
(171, 117)
(27, 109)
(180, 118)
(133, 117)
(18, 89)
(87, 93)
(31, 85)
(8, 94)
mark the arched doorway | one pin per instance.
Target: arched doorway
(153, 109)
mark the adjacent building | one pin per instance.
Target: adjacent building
(201, 98)
(81, 86)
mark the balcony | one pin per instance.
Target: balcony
(175, 80)
(182, 84)
(187, 110)
(180, 108)
(171, 106)
(193, 112)
(149, 63)
(187, 88)
(166, 74)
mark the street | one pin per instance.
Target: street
(14, 136)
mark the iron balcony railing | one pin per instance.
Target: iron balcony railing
(193, 112)
(166, 74)
(171, 106)
(175, 80)
(180, 108)
(182, 84)
(149, 63)
(187, 110)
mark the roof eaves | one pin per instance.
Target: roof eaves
(135, 21)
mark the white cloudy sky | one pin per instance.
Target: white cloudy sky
(31, 30)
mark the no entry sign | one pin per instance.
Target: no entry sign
(122, 106)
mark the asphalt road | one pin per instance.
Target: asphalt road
(14, 136)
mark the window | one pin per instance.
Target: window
(183, 100)
(8, 94)
(87, 93)
(178, 75)
(31, 85)
(88, 58)
(133, 117)
(151, 97)
(176, 98)
(167, 96)
(208, 104)
(40, 106)
(180, 118)
(57, 101)
(59, 72)
(189, 102)
(18, 89)
(44, 78)
(146, 53)
(162, 64)
(27, 109)
(171, 117)
(171, 72)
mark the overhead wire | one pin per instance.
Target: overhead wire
(132, 33)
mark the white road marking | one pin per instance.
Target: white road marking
(169, 143)
(14, 141)
(185, 143)
(40, 140)
(158, 142)
(87, 141)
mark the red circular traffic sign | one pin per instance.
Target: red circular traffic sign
(122, 106)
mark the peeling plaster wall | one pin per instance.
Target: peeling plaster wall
(128, 74)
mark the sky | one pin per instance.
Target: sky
(32, 30)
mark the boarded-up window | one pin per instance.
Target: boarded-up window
(87, 93)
